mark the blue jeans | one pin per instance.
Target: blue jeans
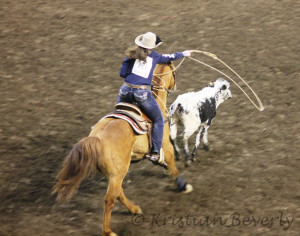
(146, 102)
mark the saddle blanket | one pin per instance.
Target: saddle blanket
(133, 124)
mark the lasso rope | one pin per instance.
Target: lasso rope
(260, 107)
(162, 88)
(164, 104)
(171, 70)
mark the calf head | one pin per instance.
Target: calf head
(224, 87)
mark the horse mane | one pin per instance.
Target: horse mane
(160, 66)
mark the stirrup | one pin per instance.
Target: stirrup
(160, 161)
(154, 157)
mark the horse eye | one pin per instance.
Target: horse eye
(224, 87)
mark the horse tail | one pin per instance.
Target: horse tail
(81, 162)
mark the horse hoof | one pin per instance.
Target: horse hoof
(137, 211)
(188, 163)
(113, 234)
(109, 234)
(188, 188)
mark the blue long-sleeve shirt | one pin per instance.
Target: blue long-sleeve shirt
(138, 72)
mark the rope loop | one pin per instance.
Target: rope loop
(260, 106)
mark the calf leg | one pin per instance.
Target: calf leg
(173, 135)
(198, 141)
(188, 132)
(205, 139)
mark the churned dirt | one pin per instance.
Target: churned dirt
(59, 75)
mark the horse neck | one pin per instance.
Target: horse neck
(161, 94)
(161, 99)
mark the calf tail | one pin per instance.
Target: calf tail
(173, 108)
(80, 163)
(176, 108)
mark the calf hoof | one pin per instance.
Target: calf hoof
(193, 155)
(188, 163)
(206, 147)
(178, 156)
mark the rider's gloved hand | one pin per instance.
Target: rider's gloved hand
(187, 53)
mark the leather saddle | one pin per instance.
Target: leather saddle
(139, 122)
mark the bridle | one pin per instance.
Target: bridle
(159, 87)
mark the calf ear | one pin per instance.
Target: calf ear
(211, 84)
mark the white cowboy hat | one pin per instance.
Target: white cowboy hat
(148, 40)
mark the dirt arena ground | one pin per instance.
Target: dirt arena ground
(59, 75)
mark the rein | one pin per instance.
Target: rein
(158, 87)
(162, 87)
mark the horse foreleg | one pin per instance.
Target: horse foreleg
(134, 209)
(169, 159)
(113, 191)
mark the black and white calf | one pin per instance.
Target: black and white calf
(196, 109)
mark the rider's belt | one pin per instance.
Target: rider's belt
(137, 86)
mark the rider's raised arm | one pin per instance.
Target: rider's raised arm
(164, 58)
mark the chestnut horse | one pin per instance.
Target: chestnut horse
(110, 148)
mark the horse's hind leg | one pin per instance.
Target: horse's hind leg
(113, 191)
(134, 209)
